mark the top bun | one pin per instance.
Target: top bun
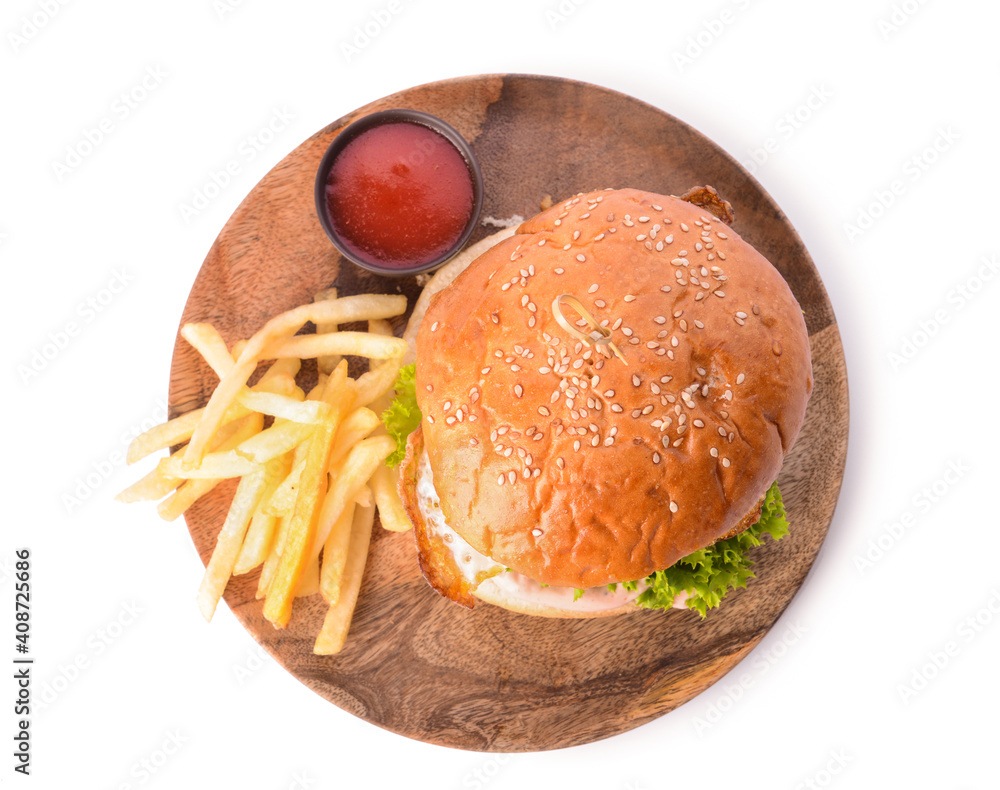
(577, 468)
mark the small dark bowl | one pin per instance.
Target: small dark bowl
(396, 116)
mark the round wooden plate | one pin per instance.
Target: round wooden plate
(489, 679)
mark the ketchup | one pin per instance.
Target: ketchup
(399, 195)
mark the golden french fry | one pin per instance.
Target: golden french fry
(151, 487)
(309, 583)
(277, 440)
(281, 502)
(219, 465)
(377, 382)
(174, 505)
(286, 407)
(347, 480)
(379, 326)
(179, 429)
(326, 364)
(273, 557)
(338, 538)
(359, 344)
(364, 497)
(229, 437)
(288, 366)
(296, 553)
(206, 340)
(261, 532)
(338, 618)
(352, 308)
(391, 512)
(355, 427)
(230, 540)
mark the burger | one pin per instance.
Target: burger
(599, 406)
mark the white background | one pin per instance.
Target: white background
(882, 672)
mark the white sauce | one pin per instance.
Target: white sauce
(476, 566)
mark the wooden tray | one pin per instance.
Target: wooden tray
(489, 679)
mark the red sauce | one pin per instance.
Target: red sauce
(399, 195)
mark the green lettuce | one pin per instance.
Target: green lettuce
(708, 574)
(403, 415)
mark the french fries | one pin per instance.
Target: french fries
(310, 465)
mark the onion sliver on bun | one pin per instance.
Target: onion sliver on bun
(605, 397)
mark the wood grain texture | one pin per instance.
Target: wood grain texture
(489, 679)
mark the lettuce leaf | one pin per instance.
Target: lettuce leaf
(403, 415)
(708, 574)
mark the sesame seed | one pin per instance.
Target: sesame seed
(629, 298)
(447, 406)
(643, 219)
(576, 445)
(673, 507)
(544, 411)
(725, 462)
(511, 476)
(636, 381)
(617, 408)
(536, 532)
(581, 257)
(684, 227)
(560, 462)
(593, 288)
(660, 320)
(600, 303)
(518, 390)
(501, 480)
(740, 378)
(699, 424)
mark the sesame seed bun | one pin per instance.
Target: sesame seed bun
(575, 467)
